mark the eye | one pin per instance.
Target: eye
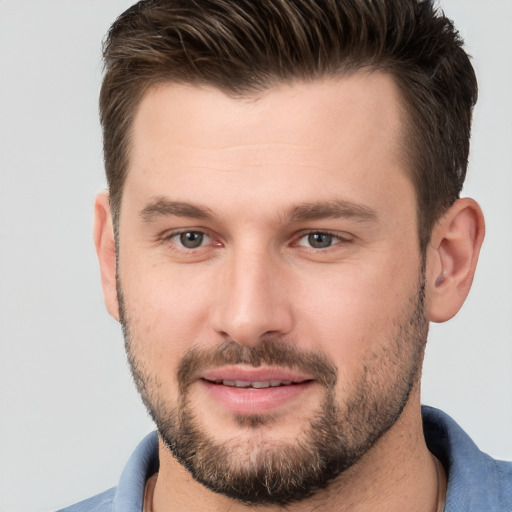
(320, 240)
(190, 239)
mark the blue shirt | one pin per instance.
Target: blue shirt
(476, 482)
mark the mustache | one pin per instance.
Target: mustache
(270, 351)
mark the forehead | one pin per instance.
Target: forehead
(314, 133)
(206, 115)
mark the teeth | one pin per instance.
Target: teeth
(255, 385)
(259, 385)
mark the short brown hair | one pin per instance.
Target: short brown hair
(245, 46)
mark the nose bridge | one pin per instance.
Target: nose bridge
(252, 302)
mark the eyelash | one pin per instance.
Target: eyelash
(175, 234)
(338, 239)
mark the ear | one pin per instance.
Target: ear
(452, 258)
(106, 251)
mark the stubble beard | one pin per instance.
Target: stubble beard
(260, 471)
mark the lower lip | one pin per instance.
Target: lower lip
(251, 401)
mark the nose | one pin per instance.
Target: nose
(253, 299)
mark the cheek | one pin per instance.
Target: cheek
(357, 314)
(166, 312)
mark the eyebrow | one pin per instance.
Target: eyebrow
(161, 207)
(332, 210)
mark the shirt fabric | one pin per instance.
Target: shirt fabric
(476, 481)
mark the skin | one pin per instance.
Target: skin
(248, 163)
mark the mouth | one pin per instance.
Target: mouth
(256, 384)
(254, 391)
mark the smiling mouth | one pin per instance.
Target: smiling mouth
(246, 392)
(255, 384)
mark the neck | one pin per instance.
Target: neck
(398, 473)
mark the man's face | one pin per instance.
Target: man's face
(270, 281)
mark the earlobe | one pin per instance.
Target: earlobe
(452, 257)
(106, 251)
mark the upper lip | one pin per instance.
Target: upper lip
(251, 374)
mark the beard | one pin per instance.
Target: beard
(255, 470)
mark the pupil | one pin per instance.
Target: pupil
(191, 240)
(320, 240)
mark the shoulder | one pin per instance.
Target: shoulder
(129, 493)
(476, 481)
(103, 502)
(504, 477)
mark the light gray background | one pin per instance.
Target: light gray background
(69, 416)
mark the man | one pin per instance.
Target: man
(283, 221)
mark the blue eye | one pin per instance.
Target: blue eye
(320, 240)
(190, 239)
